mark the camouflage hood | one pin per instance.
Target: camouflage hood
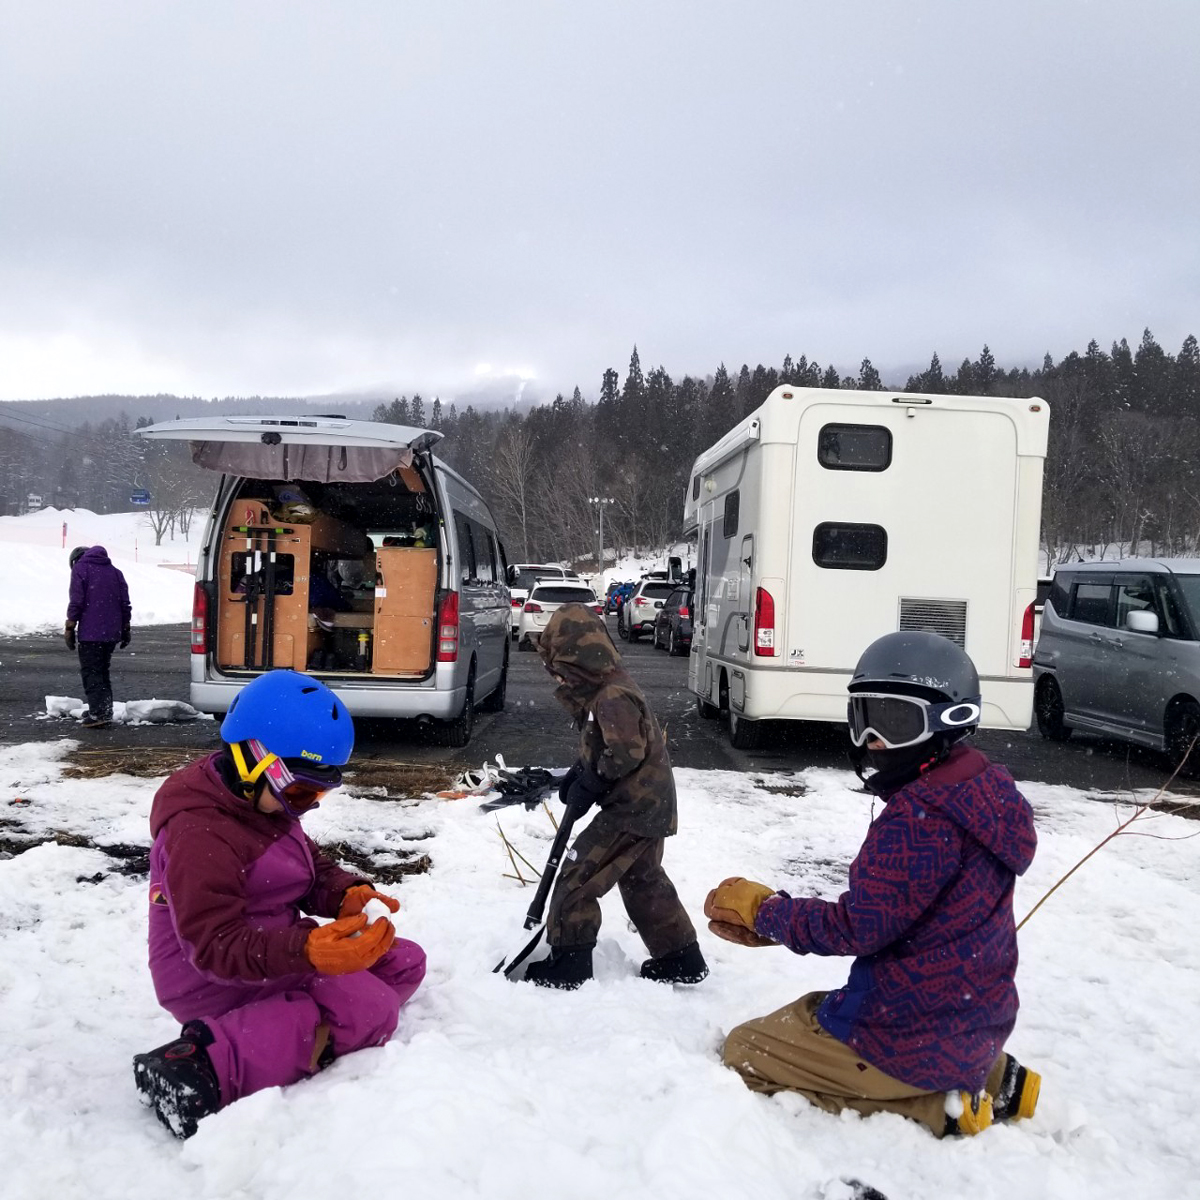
(576, 647)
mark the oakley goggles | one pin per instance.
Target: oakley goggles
(299, 785)
(899, 721)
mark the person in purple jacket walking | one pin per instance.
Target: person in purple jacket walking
(919, 1027)
(266, 995)
(97, 622)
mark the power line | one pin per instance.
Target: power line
(34, 421)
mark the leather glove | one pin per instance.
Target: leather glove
(586, 788)
(739, 934)
(564, 784)
(124, 636)
(357, 897)
(735, 901)
(69, 634)
(334, 950)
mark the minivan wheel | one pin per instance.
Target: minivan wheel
(1182, 730)
(458, 731)
(1048, 708)
(494, 700)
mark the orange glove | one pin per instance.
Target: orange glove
(335, 950)
(357, 897)
(735, 901)
(739, 934)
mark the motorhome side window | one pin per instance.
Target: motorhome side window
(733, 503)
(465, 549)
(696, 487)
(855, 447)
(849, 547)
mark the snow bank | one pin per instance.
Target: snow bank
(501, 1090)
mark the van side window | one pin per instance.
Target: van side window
(733, 503)
(1134, 595)
(855, 447)
(466, 550)
(1060, 593)
(1092, 603)
(849, 547)
(485, 553)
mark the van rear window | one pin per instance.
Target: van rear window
(847, 547)
(855, 447)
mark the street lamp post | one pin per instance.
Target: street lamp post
(600, 502)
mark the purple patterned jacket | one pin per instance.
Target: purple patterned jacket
(931, 997)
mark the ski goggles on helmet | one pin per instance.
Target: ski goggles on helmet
(899, 721)
(297, 784)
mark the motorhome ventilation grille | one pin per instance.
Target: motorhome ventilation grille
(947, 617)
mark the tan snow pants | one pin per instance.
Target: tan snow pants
(789, 1051)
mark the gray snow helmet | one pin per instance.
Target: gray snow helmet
(910, 689)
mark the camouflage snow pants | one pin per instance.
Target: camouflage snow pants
(601, 856)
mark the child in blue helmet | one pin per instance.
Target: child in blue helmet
(265, 994)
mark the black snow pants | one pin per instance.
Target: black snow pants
(94, 660)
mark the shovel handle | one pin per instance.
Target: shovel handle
(558, 846)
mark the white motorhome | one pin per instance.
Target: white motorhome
(347, 550)
(828, 518)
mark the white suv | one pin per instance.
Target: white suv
(522, 577)
(544, 600)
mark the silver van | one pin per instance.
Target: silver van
(1119, 653)
(345, 549)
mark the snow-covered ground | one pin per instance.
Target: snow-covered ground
(37, 575)
(501, 1090)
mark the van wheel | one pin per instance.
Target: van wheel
(1048, 708)
(458, 731)
(494, 700)
(743, 734)
(1183, 728)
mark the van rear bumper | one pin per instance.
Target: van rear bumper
(780, 693)
(403, 702)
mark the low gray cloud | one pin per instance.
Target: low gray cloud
(305, 197)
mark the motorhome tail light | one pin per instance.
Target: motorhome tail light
(532, 606)
(764, 623)
(199, 620)
(447, 650)
(1026, 656)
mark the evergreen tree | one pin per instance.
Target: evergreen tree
(720, 410)
(416, 412)
(868, 377)
(985, 372)
(435, 416)
(830, 379)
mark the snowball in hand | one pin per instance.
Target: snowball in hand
(375, 909)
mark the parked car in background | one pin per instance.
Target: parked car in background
(639, 611)
(1119, 654)
(618, 593)
(544, 599)
(522, 577)
(673, 624)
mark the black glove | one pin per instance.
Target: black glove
(124, 637)
(587, 788)
(69, 634)
(564, 784)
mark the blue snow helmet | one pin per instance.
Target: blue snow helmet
(293, 716)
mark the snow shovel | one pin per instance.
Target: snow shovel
(534, 915)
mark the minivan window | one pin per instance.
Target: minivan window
(1173, 623)
(855, 447)
(1060, 593)
(1134, 594)
(1189, 588)
(849, 547)
(1092, 604)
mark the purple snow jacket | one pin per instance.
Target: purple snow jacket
(228, 887)
(931, 997)
(99, 598)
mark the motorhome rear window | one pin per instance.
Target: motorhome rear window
(855, 447)
(846, 547)
(733, 503)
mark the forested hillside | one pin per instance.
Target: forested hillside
(1124, 441)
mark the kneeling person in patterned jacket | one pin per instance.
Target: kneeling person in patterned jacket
(623, 767)
(266, 996)
(920, 1026)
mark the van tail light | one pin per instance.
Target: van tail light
(683, 611)
(447, 647)
(764, 623)
(532, 606)
(1026, 656)
(199, 620)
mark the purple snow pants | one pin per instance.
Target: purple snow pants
(263, 1034)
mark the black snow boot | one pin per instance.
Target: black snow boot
(683, 966)
(1017, 1096)
(566, 968)
(178, 1080)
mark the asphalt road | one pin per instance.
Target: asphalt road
(533, 729)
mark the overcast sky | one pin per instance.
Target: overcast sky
(290, 197)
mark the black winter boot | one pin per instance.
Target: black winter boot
(178, 1080)
(1017, 1096)
(683, 966)
(566, 968)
